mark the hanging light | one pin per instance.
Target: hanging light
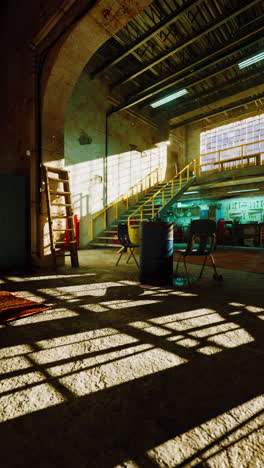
(169, 98)
(246, 190)
(251, 60)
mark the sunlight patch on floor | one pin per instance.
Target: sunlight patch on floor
(16, 382)
(158, 331)
(233, 339)
(188, 342)
(77, 338)
(254, 309)
(45, 316)
(208, 350)
(96, 308)
(175, 338)
(13, 351)
(217, 441)
(214, 330)
(13, 364)
(236, 304)
(179, 316)
(182, 293)
(18, 279)
(91, 289)
(143, 360)
(195, 319)
(123, 304)
(29, 400)
(98, 348)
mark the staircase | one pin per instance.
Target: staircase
(155, 205)
(108, 236)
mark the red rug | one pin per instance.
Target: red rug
(234, 259)
(13, 307)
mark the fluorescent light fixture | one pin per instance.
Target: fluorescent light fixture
(169, 98)
(247, 190)
(251, 60)
(189, 193)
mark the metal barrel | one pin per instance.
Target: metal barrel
(156, 253)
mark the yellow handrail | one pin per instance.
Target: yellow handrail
(219, 161)
(142, 186)
(161, 192)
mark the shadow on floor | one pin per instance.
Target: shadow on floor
(164, 364)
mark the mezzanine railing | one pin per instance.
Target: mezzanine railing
(248, 154)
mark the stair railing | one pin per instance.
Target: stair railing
(187, 172)
(141, 187)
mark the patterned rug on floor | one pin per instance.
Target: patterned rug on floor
(242, 259)
(13, 307)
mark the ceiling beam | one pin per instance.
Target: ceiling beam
(135, 54)
(133, 102)
(213, 96)
(166, 22)
(158, 84)
(220, 110)
(205, 30)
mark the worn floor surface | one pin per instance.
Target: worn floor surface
(119, 374)
(243, 259)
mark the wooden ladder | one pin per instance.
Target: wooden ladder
(60, 214)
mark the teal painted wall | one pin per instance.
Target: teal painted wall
(13, 221)
(240, 209)
(243, 209)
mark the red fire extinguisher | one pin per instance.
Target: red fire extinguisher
(115, 238)
(77, 229)
(77, 232)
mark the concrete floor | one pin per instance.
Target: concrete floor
(118, 374)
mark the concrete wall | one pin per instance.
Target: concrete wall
(192, 136)
(132, 152)
(176, 152)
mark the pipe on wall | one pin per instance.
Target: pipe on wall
(105, 168)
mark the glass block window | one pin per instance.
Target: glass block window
(227, 137)
(233, 134)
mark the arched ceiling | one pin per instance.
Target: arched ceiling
(187, 44)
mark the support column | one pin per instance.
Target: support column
(176, 152)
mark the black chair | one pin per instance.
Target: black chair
(127, 245)
(201, 242)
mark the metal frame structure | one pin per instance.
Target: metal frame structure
(195, 44)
